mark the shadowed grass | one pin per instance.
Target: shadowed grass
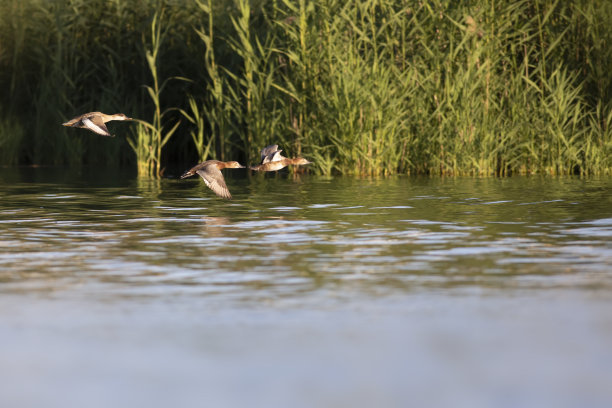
(11, 138)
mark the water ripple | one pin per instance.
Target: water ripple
(146, 238)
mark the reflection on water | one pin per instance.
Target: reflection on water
(290, 235)
(302, 274)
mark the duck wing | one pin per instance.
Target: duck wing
(193, 170)
(96, 124)
(277, 156)
(77, 120)
(270, 153)
(214, 180)
(73, 122)
(268, 150)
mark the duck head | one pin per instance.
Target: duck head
(300, 161)
(120, 116)
(233, 165)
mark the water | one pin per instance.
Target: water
(304, 291)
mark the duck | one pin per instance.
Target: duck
(273, 160)
(95, 121)
(280, 164)
(210, 171)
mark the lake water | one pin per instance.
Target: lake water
(304, 291)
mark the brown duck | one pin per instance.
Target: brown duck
(95, 121)
(279, 164)
(210, 171)
(272, 160)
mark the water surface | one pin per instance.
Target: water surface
(304, 291)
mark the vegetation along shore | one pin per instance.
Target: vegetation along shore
(364, 87)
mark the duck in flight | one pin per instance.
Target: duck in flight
(273, 160)
(95, 121)
(210, 171)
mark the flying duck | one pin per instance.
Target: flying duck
(95, 121)
(210, 171)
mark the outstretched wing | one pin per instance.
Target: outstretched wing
(270, 153)
(268, 150)
(96, 124)
(192, 170)
(77, 121)
(276, 156)
(214, 180)
(74, 122)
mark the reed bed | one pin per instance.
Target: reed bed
(364, 87)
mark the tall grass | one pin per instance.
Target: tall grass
(367, 87)
(150, 136)
(211, 112)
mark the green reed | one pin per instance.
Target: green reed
(211, 113)
(151, 137)
(252, 92)
(367, 87)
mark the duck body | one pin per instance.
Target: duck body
(95, 121)
(278, 164)
(210, 171)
